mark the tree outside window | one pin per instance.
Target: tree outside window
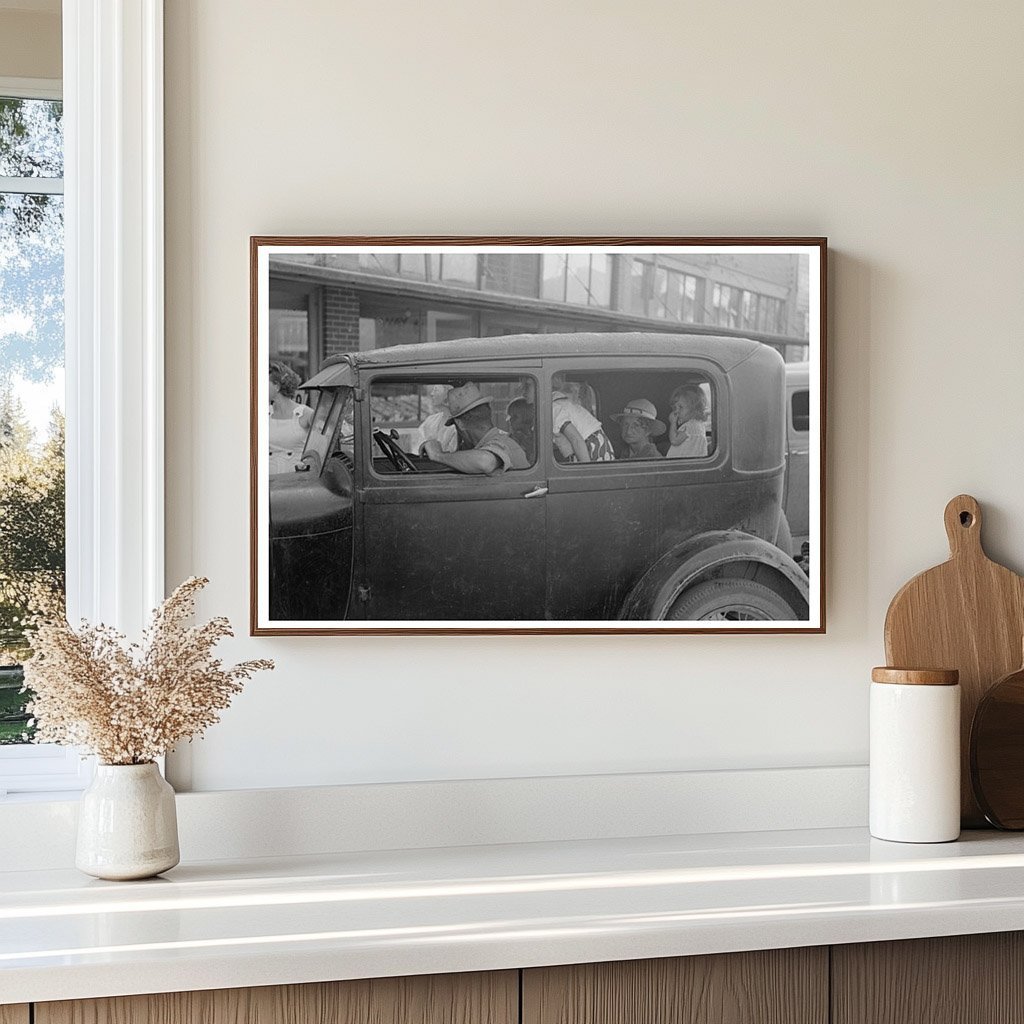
(32, 548)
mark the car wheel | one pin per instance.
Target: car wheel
(731, 599)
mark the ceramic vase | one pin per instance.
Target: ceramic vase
(127, 825)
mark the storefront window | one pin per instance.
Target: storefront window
(413, 265)
(379, 262)
(673, 295)
(748, 309)
(726, 304)
(511, 274)
(690, 299)
(293, 329)
(458, 268)
(553, 278)
(600, 280)
(447, 326)
(385, 324)
(496, 325)
(577, 279)
(580, 279)
(638, 273)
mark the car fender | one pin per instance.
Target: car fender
(695, 559)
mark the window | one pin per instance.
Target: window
(452, 268)
(333, 405)
(295, 327)
(513, 275)
(771, 315)
(379, 262)
(413, 411)
(32, 543)
(581, 279)
(459, 268)
(659, 291)
(747, 310)
(115, 314)
(639, 415)
(413, 265)
(801, 411)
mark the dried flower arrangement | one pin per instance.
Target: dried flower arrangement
(130, 703)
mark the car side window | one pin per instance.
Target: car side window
(801, 411)
(428, 418)
(602, 415)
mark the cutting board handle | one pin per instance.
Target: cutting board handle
(963, 527)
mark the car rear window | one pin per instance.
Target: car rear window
(801, 409)
(632, 414)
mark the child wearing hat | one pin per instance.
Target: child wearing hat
(638, 423)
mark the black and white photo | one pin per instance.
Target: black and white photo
(537, 435)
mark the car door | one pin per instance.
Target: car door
(449, 546)
(609, 522)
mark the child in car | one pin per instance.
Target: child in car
(639, 425)
(578, 434)
(686, 423)
(520, 422)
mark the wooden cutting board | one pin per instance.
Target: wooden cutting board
(967, 614)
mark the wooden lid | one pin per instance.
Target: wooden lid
(916, 676)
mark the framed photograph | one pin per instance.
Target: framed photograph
(537, 435)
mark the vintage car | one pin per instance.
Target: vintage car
(368, 530)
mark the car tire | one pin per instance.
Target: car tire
(731, 599)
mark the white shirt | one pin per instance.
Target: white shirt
(565, 410)
(433, 428)
(694, 444)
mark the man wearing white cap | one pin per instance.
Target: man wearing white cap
(638, 423)
(491, 450)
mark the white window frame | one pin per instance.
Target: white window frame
(114, 335)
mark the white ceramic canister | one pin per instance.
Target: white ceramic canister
(915, 755)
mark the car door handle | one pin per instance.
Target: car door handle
(537, 492)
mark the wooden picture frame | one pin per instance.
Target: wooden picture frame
(418, 409)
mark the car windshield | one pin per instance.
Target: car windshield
(334, 406)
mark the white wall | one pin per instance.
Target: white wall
(29, 42)
(894, 129)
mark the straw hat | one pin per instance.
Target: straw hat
(646, 411)
(462, 399)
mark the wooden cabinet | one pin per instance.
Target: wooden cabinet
(972, 979)
(963, 979)
(778, 986)
(491, 998)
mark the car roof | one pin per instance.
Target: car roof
(727, 352)
(797, 374)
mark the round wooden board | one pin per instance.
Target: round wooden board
(997, 752)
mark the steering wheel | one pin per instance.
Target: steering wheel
(391, 448)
